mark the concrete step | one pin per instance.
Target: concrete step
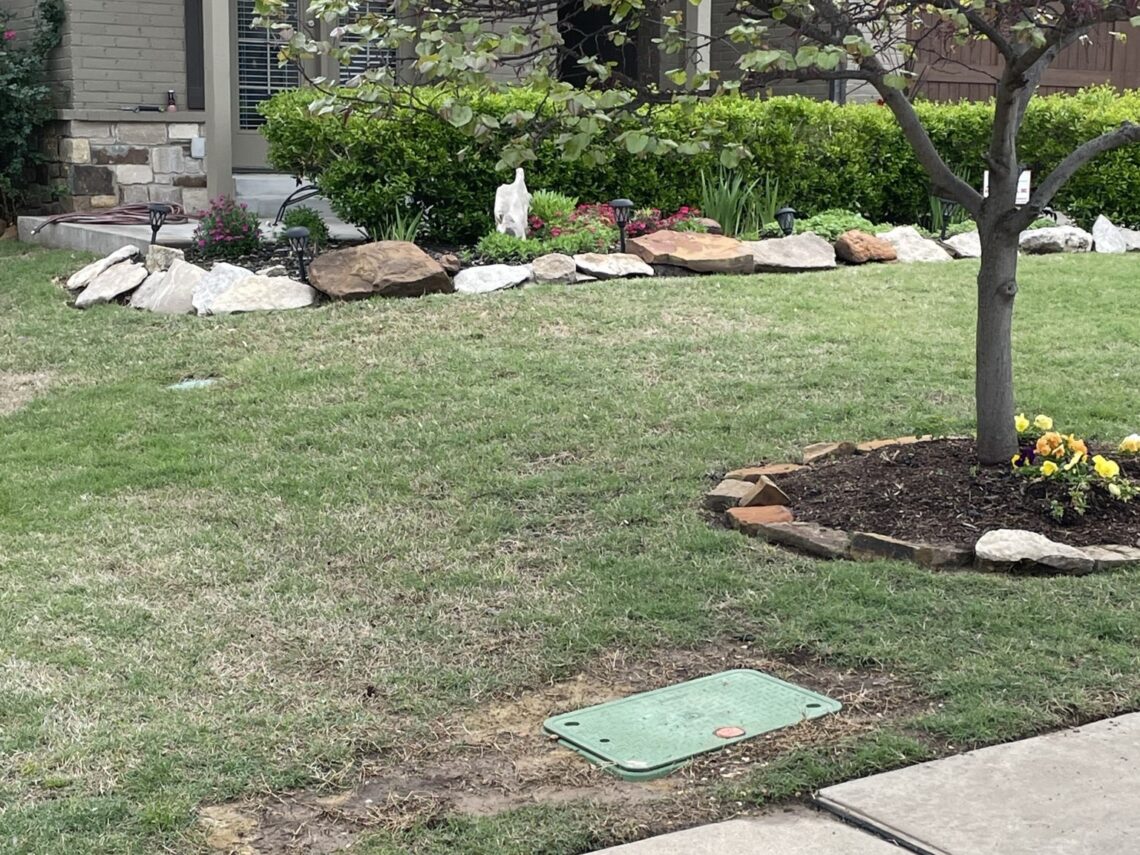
(266, 206)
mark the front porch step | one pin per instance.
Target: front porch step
(263, 194)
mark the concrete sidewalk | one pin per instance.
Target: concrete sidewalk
(1075, 792)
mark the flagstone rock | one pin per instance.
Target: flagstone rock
(1055, 239)
(749, 520)
(755, 473)
(216, 282)
(491, 277)
(792, 254)
(911, 246)
(113, 282)
(169, 293)
(764, 492)
(386, 268)
(89, 273)
(1113, 556)
(965, 245)
(161, 257)
(555, 268)
(727, 494)
(1131, 239)
(868, 546)
(808, 537)
(878, 444)
(615, 265)
(822, 450)
(698, 252)
(1107, 238)
(1012, 549)
(263, 294)
(856, 247)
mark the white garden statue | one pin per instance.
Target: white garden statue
(512, 206)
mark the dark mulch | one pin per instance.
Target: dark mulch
(938, 493)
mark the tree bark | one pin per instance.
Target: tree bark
(997, 287)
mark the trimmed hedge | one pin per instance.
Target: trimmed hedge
(825, 156)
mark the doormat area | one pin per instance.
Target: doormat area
(649, 735)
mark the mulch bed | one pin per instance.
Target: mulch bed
(937, 492)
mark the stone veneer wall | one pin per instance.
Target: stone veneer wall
(101, 164)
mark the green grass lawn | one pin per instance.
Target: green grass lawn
(390, 514)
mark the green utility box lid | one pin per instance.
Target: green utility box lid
(647, 736)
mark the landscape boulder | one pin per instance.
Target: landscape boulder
(555, 267)
(113, 282)
(1015, 549)
(792, 254)
(1055, 239)
(699, 252)
(263, 294)
(159, 258)
(89, 273)
(856, 247)
(911, 246)
(1107, 238)
(1131, 239)
(169, 293)
(965, 245)
(216, 282)
(386, 268)
(615, 265)
(491, 277)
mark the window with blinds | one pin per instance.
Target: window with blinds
(260, 75)
(369, 56)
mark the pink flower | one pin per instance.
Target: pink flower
(9, 35)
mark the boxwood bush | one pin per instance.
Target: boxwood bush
(825, 156)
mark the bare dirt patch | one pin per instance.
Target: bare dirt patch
(496, 758)
(17, 390)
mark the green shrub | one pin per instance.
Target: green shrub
(825, 157)
(831, 224)
(310, 219)
(496, 248)
(548, 205)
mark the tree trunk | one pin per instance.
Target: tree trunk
(997, 287)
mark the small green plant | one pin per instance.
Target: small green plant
(832, 223)
(496, 248)
(550, 206)
(1043, 223)
(731, 201)
(310, 219)
(401, 223)
(227, 230)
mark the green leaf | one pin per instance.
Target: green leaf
(459, 115)
(896, 81)
(636, 142)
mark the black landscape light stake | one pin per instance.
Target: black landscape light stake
(623, 210)
(949, 210)
(157, 212)
(298, 238)
(786, 218)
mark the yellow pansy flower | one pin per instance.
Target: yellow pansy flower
(1015, 460)
(1131, 444)
(1105, 468)
(1048, 468)
(1021, 423)
(1076, 458)
(1043, 422)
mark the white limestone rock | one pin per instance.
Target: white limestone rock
(792, 254)
(1055, 239)
(1131, 239)
(113, 282)
(89, 273)
(912, 246)
(160, 258)
(965, 245)
(1014, 548)
(512, 206)
(1107, 238)
(215, 283)
(491, 277)
(555, 267)
(263, 294)
(169, 293)
(615, 265)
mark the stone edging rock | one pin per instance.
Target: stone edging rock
(754, 504)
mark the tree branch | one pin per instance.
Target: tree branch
(1126, 134)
